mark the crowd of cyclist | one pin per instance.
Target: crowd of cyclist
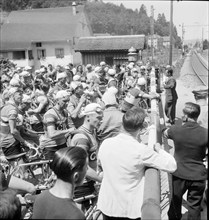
(59, 107)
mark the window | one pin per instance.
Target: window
(59, 53)
(3, 54)
(41, 54)
(30, 55)
(18, 55)
(39, 44)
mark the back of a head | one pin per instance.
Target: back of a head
(10, 206)
(133, 119)
(68, 160)
(192, 110)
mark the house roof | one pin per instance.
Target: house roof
(47, 24)
(122, 42)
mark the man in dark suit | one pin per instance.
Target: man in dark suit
(191, 142)
(170, 96)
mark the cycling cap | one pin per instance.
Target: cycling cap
(61, 75)
(25, 73)
(27, 68)
(76, 78)
(92, 108)
(141, 81)
(102, 63)
(62, 94)
(111, 72)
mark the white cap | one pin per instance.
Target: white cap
(141, 81)
(61, 75)
(97, 69)
(15, 82)
(37, 71)
(130, 65)
(92, 108)
(134, 70)
(88, 65)
(67, 67)
(76, 78)
(75, 84)
(25, 73)
(26, 98)
(111, 72)
(42, 70)
(62, 94)
(28, 68)
(143, 67)
(102, 63)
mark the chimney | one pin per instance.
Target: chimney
(74, 8)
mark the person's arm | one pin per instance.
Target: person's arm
(19, 184)
(74, 111)
(51, 131)
(159, 159)
(43, 101)
(12, 124)
(92, 174)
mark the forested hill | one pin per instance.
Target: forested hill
(105, 17)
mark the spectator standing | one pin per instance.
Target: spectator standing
(170, 96)
(70, 166)
(201, 96)
(123, 159)
(191, 142)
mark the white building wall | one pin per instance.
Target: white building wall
(51, 58)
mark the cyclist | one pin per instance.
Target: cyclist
(11, 139)
(133, 94)
(56, 125)
(86, 138)
(70, 166)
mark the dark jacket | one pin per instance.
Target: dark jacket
(170, 90)
(190, 141)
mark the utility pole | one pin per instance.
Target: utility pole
(202, 38)
(152, 32)
(183, 31)
(171, 32)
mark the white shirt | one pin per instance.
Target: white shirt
(123, 160)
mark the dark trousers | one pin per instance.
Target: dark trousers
(170, 110)
(194, 198)
(105, 217)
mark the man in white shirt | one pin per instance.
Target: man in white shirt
(123, 159)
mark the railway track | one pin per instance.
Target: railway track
(200, 68)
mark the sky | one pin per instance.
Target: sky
(192, 14)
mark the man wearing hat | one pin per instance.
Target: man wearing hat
(111, 78)
(56, 125)
(76, 103)
(86, 139)
(201, 97)
(112, 119)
